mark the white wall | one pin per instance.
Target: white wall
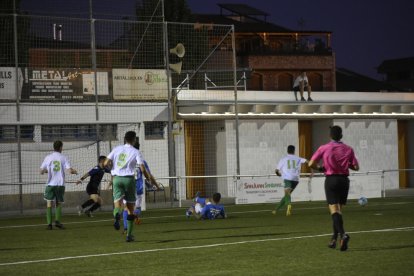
(83, 155)
(376, 145)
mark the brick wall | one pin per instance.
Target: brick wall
(270, 67)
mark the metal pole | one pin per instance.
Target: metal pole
(171, 144)
(236, 114)
(19, 146)
(93, 57)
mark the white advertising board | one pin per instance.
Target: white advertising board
(266, 190)
(8, 83)
(139, 84)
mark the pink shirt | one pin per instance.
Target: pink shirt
(336, 157)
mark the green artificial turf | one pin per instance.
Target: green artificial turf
(251, 241)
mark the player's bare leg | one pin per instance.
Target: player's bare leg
(309, 93)
(285, 201)
(301, 90)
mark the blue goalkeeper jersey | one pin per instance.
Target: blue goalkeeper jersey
(140, 178)
(213, 211)
(201, 200)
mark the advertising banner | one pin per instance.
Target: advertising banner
(139, 84)
(259, 190)
(266, 190)
(8, 83)
(69, 84)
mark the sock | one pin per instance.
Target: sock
(288, 198)
(49, 215)
(338, 223)
(130, 220)
(58, 214)
(282, 203)
(94, 207)
(137, 211)
(87, 203)
(116, 211)
(125, 219)
(335, 232)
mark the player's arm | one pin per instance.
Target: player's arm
(314, 165)
(354, 167)
(43, 167)
(108, 163)
(72, 171)
(279, 167)
(278, 173)
(86, 175)
(149, 176)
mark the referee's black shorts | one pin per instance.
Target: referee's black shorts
(336, 189)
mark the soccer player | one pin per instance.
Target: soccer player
(140, 189)
(207, 208)
(289, 168)
(337, 159)
(96, 174)
(123, 160)
(55, 165)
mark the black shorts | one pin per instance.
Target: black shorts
(92, 189)
(336, 189)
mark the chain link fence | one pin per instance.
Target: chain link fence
(85, 77)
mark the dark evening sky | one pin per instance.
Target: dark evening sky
(365, 32)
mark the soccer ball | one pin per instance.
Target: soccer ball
(362, 201)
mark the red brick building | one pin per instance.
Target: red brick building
(274, 54)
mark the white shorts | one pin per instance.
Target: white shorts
(198, 207)
(138, 202)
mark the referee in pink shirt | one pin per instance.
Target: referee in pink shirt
(337, 159)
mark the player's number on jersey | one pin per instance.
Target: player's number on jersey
(291, 164)
(121, 160)
(56, 166)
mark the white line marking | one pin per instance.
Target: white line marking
(408, 228)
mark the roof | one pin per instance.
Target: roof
(396, 65)
(347, 80)
(248, 22)
(241, 27)
(242, 9)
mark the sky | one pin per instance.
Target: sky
(364, 32)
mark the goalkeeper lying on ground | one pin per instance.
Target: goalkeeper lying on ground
(207, 208)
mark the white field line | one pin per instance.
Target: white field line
(408, 228)
(177, 216)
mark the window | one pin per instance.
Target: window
(9, 133)
(154, 130)
(78, 132)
